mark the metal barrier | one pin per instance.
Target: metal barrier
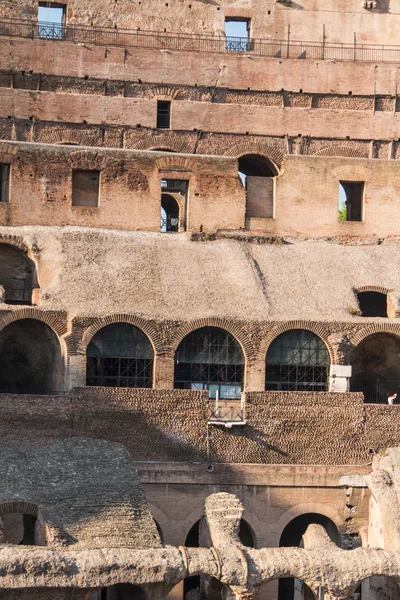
(231, 411)
(199, 42)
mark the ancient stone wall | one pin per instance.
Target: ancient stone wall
(170, 425)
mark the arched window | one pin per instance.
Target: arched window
(256, 173)
(210, 359)
(30, 358)
(120, 355)
(17, 275)
(293, 588)
(376, 367)
(297, 360)
(169, 214)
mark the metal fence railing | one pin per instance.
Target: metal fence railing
(378, 391)
(231, 411)
(199, 42)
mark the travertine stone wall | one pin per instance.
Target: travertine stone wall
(86, 492)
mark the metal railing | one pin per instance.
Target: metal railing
(231, 411)
(377, 392)
(199, 42)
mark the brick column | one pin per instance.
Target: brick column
(163, 371)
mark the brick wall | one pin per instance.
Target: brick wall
(170, 425)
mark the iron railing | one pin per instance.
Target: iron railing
(198, 42)
(172, 225)
(231, 411)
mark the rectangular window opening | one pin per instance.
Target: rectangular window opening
(85, 188)
(51, 20)
(237, 33)
(351, 197)
(163, 114)
(4, 182)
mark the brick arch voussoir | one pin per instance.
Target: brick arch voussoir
(16, 241)
(272, 153)
(56, 322)
(372, 288)
(173, 162)
(362, 334)
(145, 326)
(341, 150)
(19, 507)
(318, 328)
(164, 141)
(235, 329)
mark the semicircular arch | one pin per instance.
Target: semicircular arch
(145, 326)
(271, 153)
(302, 509)
(362, 334)
(341, 150)
(233, 329)
(317, 328)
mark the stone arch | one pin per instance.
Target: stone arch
(145, 326)
(21, 522)
(53, 320)
(318, 328)
(160, 520)
(342, 150)
(19, 506)
(163, 92)
(372, 288)
(325, 510)
(361, 334)
(175, 163)
(272, 153)
(69, 137)
(233, 328)
(16, 242)
(34, 354)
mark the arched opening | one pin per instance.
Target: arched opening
(378, 587)
(210, 359)
(372, 304)
(293, 588)
(30, 358)
(120, 355)
(17, 275)
(213, 587)
(297, 360)
(376, 367)
(19, 529)
(123, 591)
(256, 173)
(169, 214)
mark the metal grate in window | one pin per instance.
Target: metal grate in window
(210, 359)
(120, 355)
(297, 360)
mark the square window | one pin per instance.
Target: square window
(4, 182)
(51, 18)
(85, 188)
(351, 201)
(237, 33)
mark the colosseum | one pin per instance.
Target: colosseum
(199, 300)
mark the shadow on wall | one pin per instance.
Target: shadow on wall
(30, 358)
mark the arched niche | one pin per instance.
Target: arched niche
(210, 359)
(31, 359)
(297, 360)
(17, 275)
(376, 367)
(120, 355)
(293, 588)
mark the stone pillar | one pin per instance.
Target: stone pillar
(339, 378)
(255, 376)
(77, 371)
(164, 371)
